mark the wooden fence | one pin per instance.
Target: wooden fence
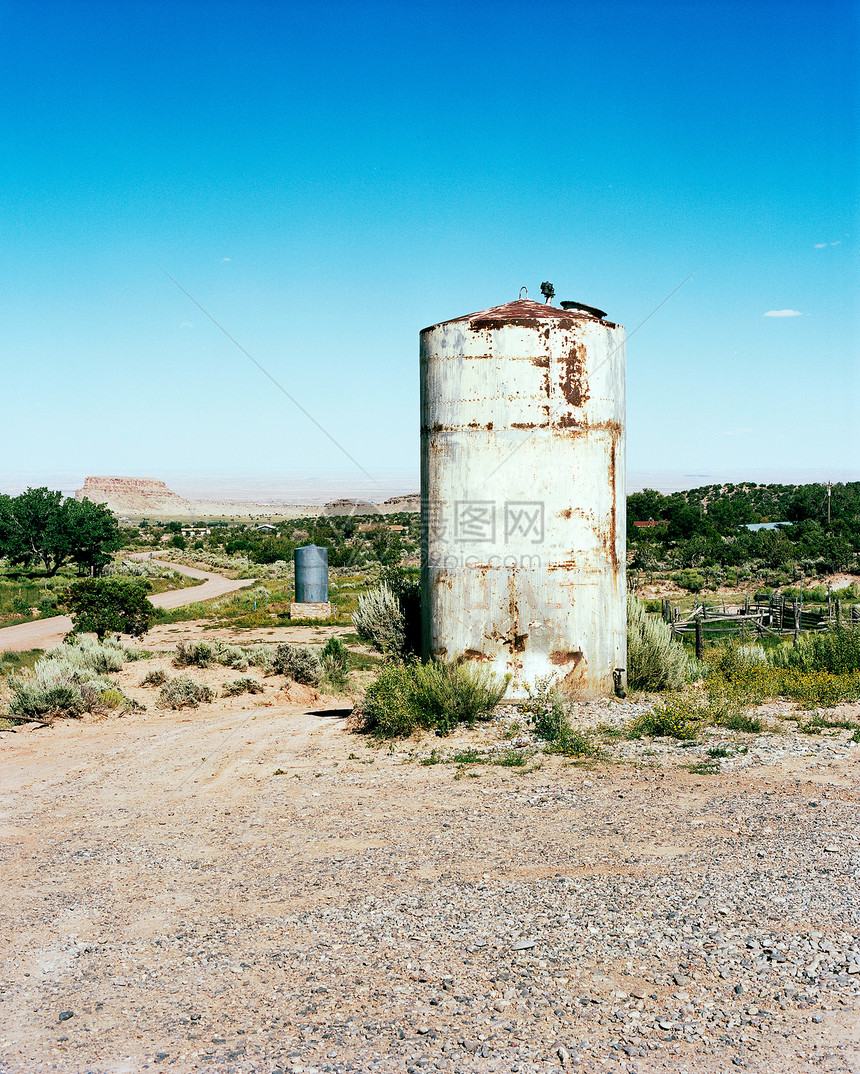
(780, 616)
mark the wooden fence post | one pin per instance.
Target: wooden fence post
(838, 613)
(700, 638)
(797, 620)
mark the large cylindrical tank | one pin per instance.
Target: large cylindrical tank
(523, 495)
(311, 562)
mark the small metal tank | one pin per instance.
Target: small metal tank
(523, 495)
(311, 562)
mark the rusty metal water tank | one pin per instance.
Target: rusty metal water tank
(523, 495)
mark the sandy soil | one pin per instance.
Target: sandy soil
(249, 887)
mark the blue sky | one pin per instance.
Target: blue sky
(327, 179)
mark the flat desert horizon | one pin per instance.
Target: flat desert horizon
(322, 486)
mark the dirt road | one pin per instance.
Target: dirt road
(43, 633)
(248, 887)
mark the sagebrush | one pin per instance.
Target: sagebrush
(655, 661)
(298, 663)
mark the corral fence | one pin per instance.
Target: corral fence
(780, 616)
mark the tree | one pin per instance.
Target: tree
(40, 525)
(110, 605)
(93, 532)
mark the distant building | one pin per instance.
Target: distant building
(651, 524)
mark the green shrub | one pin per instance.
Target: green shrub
(183, 692)
(155, 677)
(655, 661)
(246, 684)
(690, 580)
(836, 651)
(448, 694)
(335, 664)
(104, 605)
(388, 708)
(298, 663)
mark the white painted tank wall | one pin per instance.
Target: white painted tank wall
(523, 495)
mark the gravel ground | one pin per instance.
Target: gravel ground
(251, 888)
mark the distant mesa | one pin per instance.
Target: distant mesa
(134, 496)
(411, 501)
(350, 507)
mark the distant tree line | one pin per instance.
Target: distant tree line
(707, 527)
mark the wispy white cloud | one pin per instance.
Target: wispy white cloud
(783, 313)
(186, 324)
(736, 432)
(820, 245)
(223, 259)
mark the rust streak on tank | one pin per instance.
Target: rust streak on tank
(613, 523)
(560, 657)
(574, 383)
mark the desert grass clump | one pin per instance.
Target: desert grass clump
(655, 661)
(260, 656)
(433, 696)
(84, 652)
(231, 656)
(183, 692)
(58, 688)
(156, 677)
(245, 684)
(199, 654)
(298, 663)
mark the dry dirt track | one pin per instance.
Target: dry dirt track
(252, 889)
(43, 633)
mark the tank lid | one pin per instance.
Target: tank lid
(525, 313)
(593, 310)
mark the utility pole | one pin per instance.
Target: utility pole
(829, 487)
